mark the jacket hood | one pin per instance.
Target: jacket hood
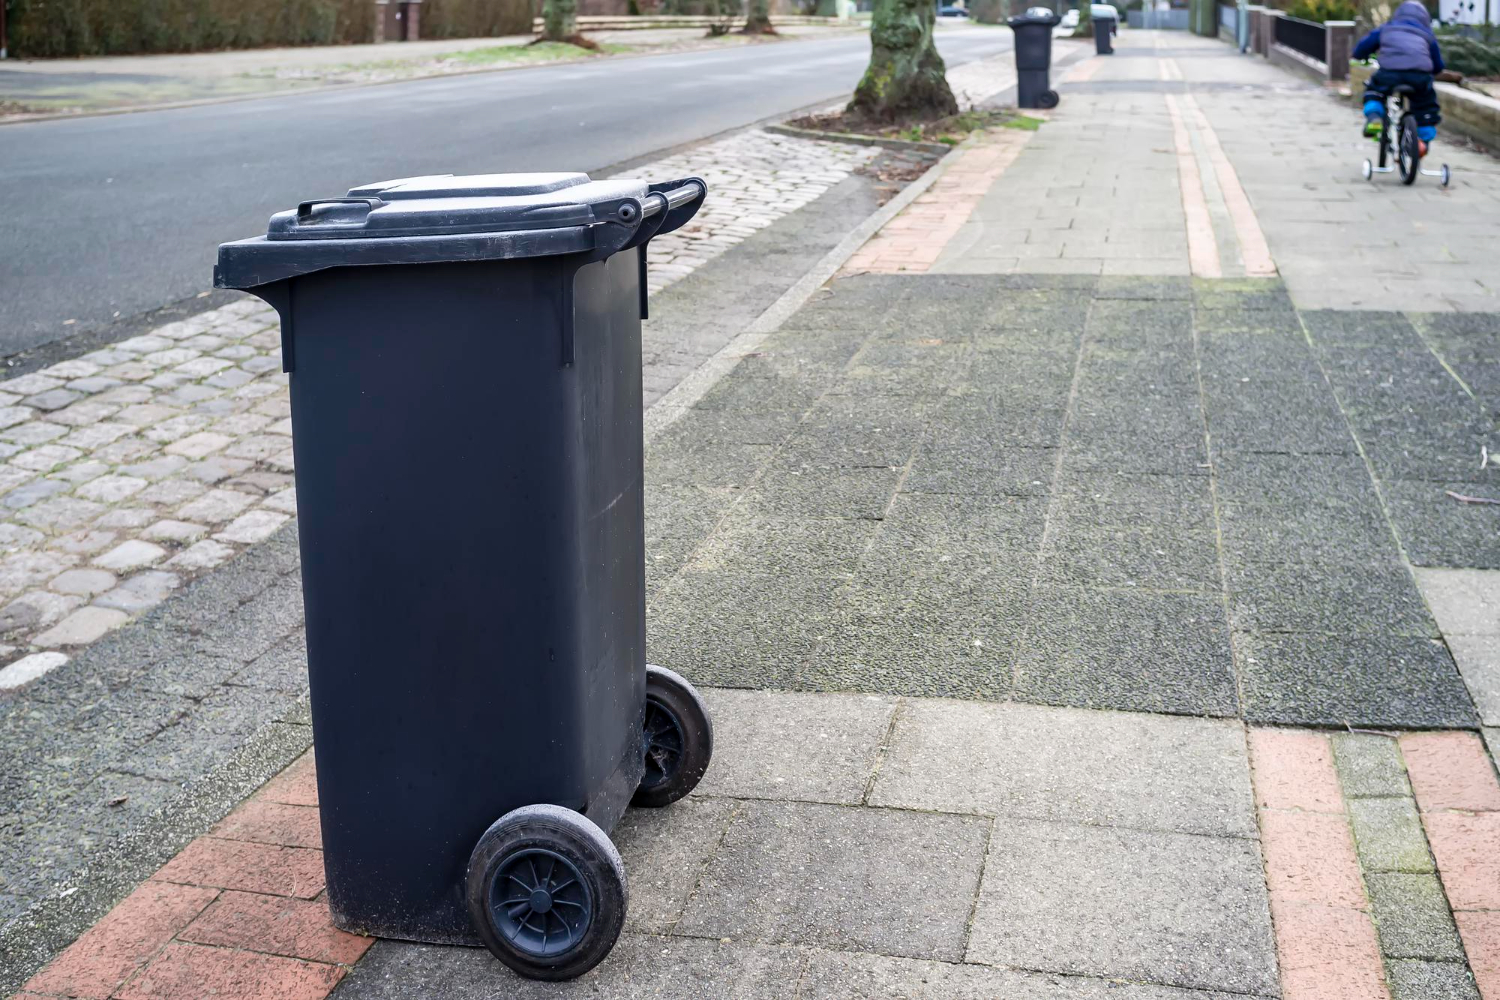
(1413, 10)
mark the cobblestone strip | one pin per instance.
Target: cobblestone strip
(1325, 940)
(129, 470)
(754, 178)
(240, 912)
(913, 240)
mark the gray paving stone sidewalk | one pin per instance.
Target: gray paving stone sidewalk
(750, 888)
(1129, 493)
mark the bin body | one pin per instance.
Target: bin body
(1103, 28)
(1033, 32)
(469, 490)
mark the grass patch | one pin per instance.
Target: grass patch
(1025, 122)
(540, 52)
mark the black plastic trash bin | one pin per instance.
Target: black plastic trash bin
(465, 359)
(1104, 29)
(1034, 57)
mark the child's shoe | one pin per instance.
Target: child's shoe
(1373, 125)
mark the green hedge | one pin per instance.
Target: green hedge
(1469, 54)
(1323, 10)
(476, 18)
(40, 28)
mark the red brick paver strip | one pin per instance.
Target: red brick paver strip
(1327, 953)
(235, 916)
(1481, 937)
(234, 864)
(1450, 771)
(1310, 859)
(1325, 940)
(262, 821)
(112, 950)
(914, 240)
(1294, 770)
(1467, 849)
(296, 786)
(292, 927)
(1459, 799)
(192, 972)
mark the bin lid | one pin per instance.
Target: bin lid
(1104, 10)
(1036, 15)
(445, 204)
(432, 219)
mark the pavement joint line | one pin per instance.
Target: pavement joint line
(708, 857)
(1054, 496)
(1415, 796)
(883, 750)
(1418, 324)
(984, 864)
(1235, 654)
(1375, 479)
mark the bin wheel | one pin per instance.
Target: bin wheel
(1048, 99)
(679, 739)
(547, 892)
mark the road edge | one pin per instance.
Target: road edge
(329, 87)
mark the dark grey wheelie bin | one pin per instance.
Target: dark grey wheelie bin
(1033, 31)
(465, 359)
(1106, 24)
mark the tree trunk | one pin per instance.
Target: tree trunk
(758, 18)
(559, 20)
(905, 78)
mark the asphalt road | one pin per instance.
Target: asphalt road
(109, 217)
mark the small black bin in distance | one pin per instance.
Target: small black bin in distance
(465, 366)
(1033, 31)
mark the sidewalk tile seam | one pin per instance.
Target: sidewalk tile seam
(883, 750)
(984, 862)
(703, 868)
(1235, 652)
(1079, 348)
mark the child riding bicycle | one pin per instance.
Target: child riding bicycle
(1409, 56)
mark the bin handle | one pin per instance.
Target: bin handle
(305, 209)
(663, 201)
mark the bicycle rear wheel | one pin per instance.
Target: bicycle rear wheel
(1408, 150)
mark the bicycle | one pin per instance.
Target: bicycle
(1408, 147)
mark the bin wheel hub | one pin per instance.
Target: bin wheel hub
(540, 902)
(663, 743)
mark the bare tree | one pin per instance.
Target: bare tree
(906, 77)
(758, 18)
(559, 20)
